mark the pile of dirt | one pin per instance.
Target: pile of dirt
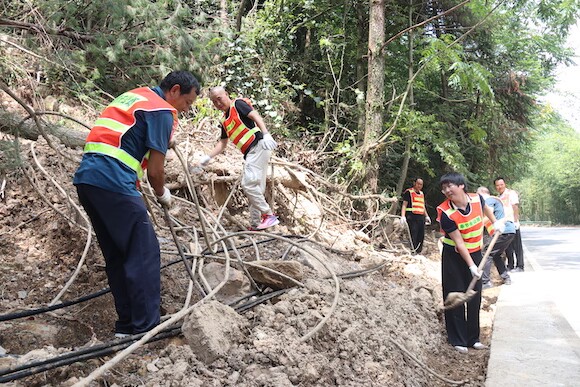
(378, 324)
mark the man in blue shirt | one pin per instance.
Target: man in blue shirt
(132, 134)
(502, 243)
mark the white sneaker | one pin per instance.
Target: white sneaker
(479, 345)
(460, 349)
(119, 335)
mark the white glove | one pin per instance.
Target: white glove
(517, 224)
(165, 199)
(474, 271)
(268, 142)
(403, 220)
(204, 160)
(427, 221)
(499, 226)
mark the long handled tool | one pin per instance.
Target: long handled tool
(454, 299)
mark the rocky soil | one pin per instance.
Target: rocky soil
(377, 327)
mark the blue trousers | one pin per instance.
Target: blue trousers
(132, 255)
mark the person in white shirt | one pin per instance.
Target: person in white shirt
(510, 198)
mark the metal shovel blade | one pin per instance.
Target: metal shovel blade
(454, 299)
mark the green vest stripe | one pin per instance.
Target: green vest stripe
(117, 153)
(112, 124)
(126, 100)
(471, 245)
(246, 137)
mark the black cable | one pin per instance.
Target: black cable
(33, 312)
(77, 356)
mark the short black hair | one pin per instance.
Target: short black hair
(453, 178)
(184, 79)
(498, 178)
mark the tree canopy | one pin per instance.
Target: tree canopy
(458, 81)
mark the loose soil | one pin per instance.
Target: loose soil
(387, 328)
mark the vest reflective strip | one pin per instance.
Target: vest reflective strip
(244, 140)
(417, 203)
(112, 125)
(117, 153)
(468, 245)
(489, 227)
(126, 100)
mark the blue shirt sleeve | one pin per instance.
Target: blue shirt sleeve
(159, 126)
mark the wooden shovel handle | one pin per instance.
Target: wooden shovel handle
(482, 263)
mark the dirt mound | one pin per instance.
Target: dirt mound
(377, 323)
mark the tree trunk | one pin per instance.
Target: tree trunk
(240, 14)
(407, 154)
(375, 92)
(361, 68)
(9, 123)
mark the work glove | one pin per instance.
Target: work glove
(165, 199)
(517, 224)
(499, 226)
(403, 221)
(204, 160)
(268, 142)
(474, 271)
(428, 221)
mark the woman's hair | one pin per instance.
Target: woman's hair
(453, 178)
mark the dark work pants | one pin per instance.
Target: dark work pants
(132, 255)
(515, 248)
(417, 229)
(502, 243)
(462, 328)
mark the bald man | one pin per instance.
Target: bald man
(246, 129)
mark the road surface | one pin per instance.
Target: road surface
(556, 250)
(536, 333)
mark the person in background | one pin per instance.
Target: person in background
(502, 242)
(130, 135)
(414, 214)
(246, 129)
(510, 199)
(461, 219)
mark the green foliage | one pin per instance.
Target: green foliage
(549, 190)
(303, 64)
(129, 44)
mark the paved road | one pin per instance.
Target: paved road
(536, 334)
(556, 250)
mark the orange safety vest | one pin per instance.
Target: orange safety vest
(470, 226)
(106, 136)
(237, 131)
(417, 202)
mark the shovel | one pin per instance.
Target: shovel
(454, 299)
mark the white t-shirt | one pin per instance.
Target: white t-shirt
(512, 195)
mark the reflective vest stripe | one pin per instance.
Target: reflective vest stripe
(126, 100)
(117, 153)
(417, 202)
(237, 131)
(470, 226)
(470, 246)
(489, 226)
(112, 124)
(119, 117)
